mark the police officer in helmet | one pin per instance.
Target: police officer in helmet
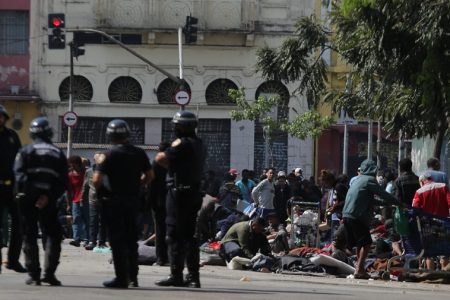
(41, 178)
(184, 160)
(120, 174)
(9, 145)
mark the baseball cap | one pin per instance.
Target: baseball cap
(298, 170)
(281, 174)
(233, 171)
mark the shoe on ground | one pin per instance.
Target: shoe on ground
(16, 267)
(192, 281)
(115, 284)
(161, 263)
(89, 246)
(84, 243)
(134, 282)
(51, 280)
(75, 243)
(33, 281)
(171, 281)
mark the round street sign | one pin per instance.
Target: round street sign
(182, 98)
(70, 119)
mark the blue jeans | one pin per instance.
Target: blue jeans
(80, 222)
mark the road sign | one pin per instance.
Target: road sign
(70, 119)
(182, 97)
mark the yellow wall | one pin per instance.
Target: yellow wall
(28, 110)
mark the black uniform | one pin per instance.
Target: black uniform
(9, 146)
(186, 160)
(41, 169)
(157, 202)
(123, 166)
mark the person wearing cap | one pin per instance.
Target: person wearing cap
(298, 172)
(41, 179)
(282, 195)
(407, 183)
(9, 146)
(122, 172)
(184, 160)
(358, 173)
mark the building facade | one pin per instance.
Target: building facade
(22, 103)
(112, 83)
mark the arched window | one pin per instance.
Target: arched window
(166, 91)
(217, 92)
(273, 87)
(125, 89)
(82, 89)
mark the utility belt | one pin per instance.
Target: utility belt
(6, 182)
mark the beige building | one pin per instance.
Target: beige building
(112, 83)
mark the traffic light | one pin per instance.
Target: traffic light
(56, 33)
(190, 31)
(76, 50)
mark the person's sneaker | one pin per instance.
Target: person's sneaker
(89, 246)
(171, 281)
(161, 263)
(75, 243)
(33, 281)
(16, 267)
(51, 279)
(116, 284)
(84, 243)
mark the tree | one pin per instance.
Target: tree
(398, 51)
(294, 60)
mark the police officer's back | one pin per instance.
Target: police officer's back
(121, 173)
(41, 174)
(184, 160)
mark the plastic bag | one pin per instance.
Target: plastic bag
(401, 221)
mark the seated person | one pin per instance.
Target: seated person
(245, 239)
(276, 234)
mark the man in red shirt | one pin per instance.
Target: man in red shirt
(432, 197)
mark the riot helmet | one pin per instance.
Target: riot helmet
(117, 130)
(40, 128)
(185, 123)
(4, 112)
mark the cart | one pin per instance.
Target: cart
(305, 217)
(429, 236)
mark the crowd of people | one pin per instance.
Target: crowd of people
(177, 207)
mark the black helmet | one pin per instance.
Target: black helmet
(185, 119)
(117, 130)
(4, 112)
(40, 128)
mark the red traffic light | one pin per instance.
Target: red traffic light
(57, 22)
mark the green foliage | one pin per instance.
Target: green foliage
(309, 124)
(348, 6)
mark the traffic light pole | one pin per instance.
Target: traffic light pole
(115, 41)
(180, 57)
(69, 129)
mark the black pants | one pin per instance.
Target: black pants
(120, 219)
(97, 230)
(15, 242)
(159, 219)
(182, 208)
(51, 236)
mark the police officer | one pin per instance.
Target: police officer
(121, 173)
(184, 160)
(9, 146)
(41, 178)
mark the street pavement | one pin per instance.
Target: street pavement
(82, 273)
